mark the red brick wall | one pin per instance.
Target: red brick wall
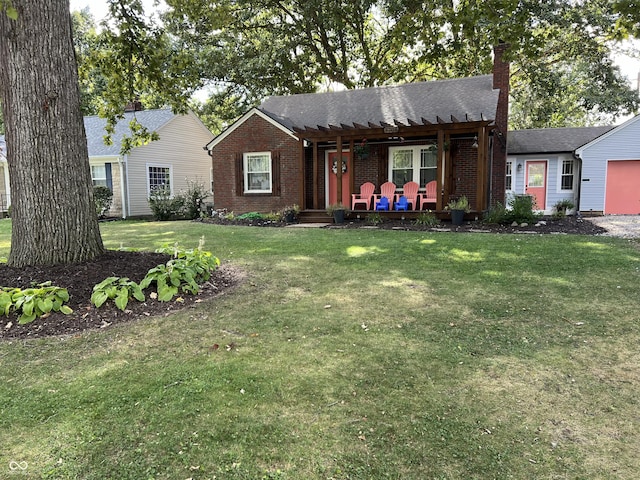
(255, 135)
(498, 166)
(464, 159)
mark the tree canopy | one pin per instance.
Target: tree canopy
(562, 72)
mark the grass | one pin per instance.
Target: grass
(347, 354)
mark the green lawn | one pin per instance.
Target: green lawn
(347, 354)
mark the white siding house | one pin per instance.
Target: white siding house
(176, 159)
(611, 171)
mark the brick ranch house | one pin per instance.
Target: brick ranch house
(286, 150)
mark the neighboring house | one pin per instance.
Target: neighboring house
(541, 162)
(610, 181)
(317, 149)
(174, 160)
(5, 197)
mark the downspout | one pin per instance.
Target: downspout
(579, 187)
(124, 176)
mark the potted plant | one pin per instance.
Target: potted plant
(336, 210)
(458, 208)
(290, 213)
(562, 206)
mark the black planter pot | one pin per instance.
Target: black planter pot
(338, 216)
(457, 217)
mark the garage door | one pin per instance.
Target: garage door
(623, 187)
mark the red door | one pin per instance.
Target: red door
(536, 183)
(333, 178)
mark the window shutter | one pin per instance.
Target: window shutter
(107, 169)
(239, 175)
(275, 172)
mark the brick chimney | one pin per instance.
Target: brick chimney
(499, 161)
(135, 106)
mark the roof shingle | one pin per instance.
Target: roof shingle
(464, 99)
(551, 140)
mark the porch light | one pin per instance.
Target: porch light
(519, 167)
(475, 142)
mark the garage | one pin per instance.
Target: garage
(622, 187)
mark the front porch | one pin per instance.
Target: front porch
(320, 215)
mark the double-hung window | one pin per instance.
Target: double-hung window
(257, 172)
(417, 163)
(99, 175)
(566, 176)
(509, 177)
(159, 177)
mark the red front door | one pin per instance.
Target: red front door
(536, 183)
(332, 166)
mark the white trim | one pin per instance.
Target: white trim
(254, 111)
(123, 186)
(525, 179)
(613, 131)
(416, 161)
(245, 172)
(159, 165)
(560, 163)
(326, 174)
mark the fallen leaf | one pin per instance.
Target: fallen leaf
(8, 325)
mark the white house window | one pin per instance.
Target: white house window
(418, 164)
(257, 172)
(99, 175)
(566, 178)
(509, 177)
(158, 176)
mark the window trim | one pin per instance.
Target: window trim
(416, 161)
(95, 179)
(561, 174)
(508, 172)
(159, 165)
(245, 173)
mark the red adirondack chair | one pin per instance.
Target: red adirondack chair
(364, 197)
(430, 195)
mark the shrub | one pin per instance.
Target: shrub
(427, 219)
(374, 218)
(561, 206)
(497, 214)
(103, 198)
(522, 210)
(164, 206)
(193, 199)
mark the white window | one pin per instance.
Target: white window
(159, 176)
(566, 175)
(509, 177)
(257, 172)
(418, 163)
(99, 175)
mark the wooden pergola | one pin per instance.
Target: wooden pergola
(442, 130)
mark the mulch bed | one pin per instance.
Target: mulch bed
(79, 279)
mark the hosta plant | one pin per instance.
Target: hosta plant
(34, 302)
(118, 289)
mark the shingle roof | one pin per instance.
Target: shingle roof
(552, 140)
(95, 129)
(465, 99)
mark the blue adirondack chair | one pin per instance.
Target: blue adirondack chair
(401, 204)
(382, 204)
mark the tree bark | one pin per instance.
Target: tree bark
(53, 212)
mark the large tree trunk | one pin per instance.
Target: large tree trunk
(54, 218)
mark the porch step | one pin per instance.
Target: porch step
(314, 216)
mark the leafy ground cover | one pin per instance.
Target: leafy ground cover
(347, 353)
